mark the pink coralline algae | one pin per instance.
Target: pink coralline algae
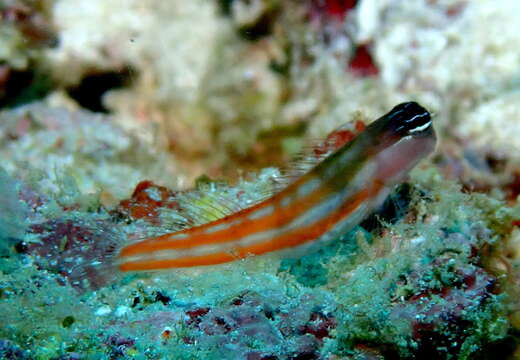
(73, 250)
(445, 304)
(331, 9)
(440, 316)
(250, 317)
(145, 201)
(362, 63)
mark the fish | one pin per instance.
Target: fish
(331, 198)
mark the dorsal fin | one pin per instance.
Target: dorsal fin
(318, 150)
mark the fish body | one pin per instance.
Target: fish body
(332, 197)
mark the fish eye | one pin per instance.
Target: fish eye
(409, 118)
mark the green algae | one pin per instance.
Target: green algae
(387, 291)
(393, 301)
(311, 269)
(12, 212)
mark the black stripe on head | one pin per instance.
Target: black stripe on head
(409, 118)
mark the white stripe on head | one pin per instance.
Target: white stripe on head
(415, 117)
(420, 128)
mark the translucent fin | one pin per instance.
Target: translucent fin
(317, 151)
(212, 201)
(202, 207)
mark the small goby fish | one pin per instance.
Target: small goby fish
(331, 198)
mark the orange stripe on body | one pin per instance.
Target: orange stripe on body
(197, 236)
(289, 239)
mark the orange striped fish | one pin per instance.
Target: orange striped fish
(331, 198)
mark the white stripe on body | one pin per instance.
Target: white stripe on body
(316, 213)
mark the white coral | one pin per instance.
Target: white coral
(171, 40)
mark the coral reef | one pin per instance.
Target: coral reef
(119, 120)
(419, 287)
(25, 33)
(99, 154)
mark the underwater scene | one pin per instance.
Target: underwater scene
(259, 179)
